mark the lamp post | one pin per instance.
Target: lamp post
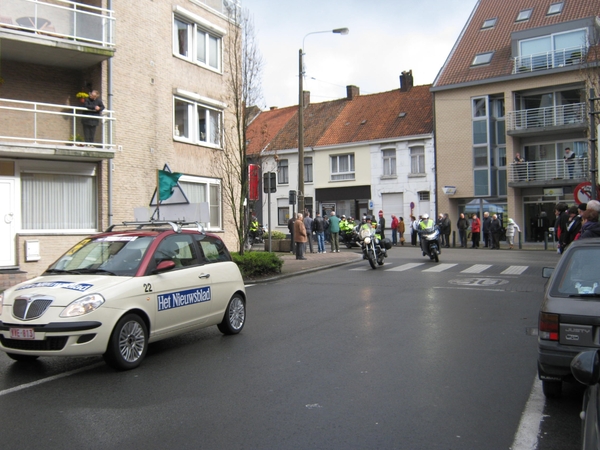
(301, 116)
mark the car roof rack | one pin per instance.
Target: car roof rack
(176, 225)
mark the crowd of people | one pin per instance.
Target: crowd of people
(571, 223)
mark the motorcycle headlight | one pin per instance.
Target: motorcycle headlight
(367, 240)
(83, 305)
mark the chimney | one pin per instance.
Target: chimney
(406, 81)
(305, 98)
(352, 91)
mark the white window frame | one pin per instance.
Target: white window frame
(555, 8)
(205, 190)
(524, 14)
(283, 171)
(198, 26)
(342, 175)
(187, 115)
(417, 160)
(308, 170)
(65, 204)
(388, 156)
(489, 23)
(482, 58)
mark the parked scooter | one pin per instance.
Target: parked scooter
(374, 249)
(430, 242)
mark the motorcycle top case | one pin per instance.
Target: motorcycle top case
(386, 243)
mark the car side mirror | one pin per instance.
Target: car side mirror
(547, 272)
(163, 266)
(585, 367)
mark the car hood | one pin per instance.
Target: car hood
(63, 288)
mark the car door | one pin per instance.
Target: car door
(183, 294)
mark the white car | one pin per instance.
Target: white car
(115, 292)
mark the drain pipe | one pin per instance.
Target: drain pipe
(109, 83)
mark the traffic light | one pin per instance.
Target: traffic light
(292, 197)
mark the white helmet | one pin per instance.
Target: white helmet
(425, 216)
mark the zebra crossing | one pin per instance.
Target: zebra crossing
(442, 267)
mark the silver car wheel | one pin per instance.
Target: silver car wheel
(237, 313)
(132, 341)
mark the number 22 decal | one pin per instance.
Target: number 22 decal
(147, 287)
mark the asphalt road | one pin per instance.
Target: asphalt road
(395, 358)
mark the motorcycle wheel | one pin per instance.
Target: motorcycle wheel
(436, 257)
(380, 259)
(348, 244)
(371, 255)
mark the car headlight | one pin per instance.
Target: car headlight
(367, 240)
(83, 305)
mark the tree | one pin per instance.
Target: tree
(243, 90)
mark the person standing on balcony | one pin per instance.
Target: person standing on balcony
(520, 167)
(569, 161)
(94, 107)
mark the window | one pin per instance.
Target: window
(524, 15)
(424, 196)
(212, 248)
(489, 23)
(283, 172)
(417, 160)
(197, 42)
(555, 50)
(308, 170)
(555, 8)
(283, 215)
(178, 248)
(197, 123)
(389, 162)
(204, 190)
(58, 196)
(342, 167)
(482, 58)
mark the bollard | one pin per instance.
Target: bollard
(453, 239)
(545, 240)
(520, 241)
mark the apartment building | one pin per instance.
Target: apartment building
(516, 84)
(362, 154)
(160, 70)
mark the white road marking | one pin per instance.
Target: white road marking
(404, 267)
(514, 270)
(477, 268)
(361, 269)
(46, 380)
(526, 437)
(439, 267)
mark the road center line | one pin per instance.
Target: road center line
(46, 380)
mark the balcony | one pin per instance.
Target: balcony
(534, 121)
(549, 60)
(51, 130)
(554, 172)
(63, 33)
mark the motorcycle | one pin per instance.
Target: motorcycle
(430, 242)
(374, 249)
(349, 238)
(255, 237)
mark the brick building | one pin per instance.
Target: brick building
(516, 83)
(160, 74)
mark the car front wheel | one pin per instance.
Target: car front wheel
(128, 343)
(234, 317)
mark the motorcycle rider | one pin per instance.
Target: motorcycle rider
(253, 228)
(365, 226)
(425, 223)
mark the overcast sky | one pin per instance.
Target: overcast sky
(386, 38)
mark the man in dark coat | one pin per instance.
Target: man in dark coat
(446, 229)
(495, 229)
(485, 228)
(94, 107)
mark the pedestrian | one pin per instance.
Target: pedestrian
(463, 225)
(299, 237)
(511, 227)
(446, 229)
(520, 167)
(394, 230)
(381, 225)
(495, 229)
(319, 229)
(94, 108)
(569, 161)
(401, 230)
(590, 227)
(485, 228)
(573, 226)
(413, 230)
(560, 224)
(334, 229)
(593, 204)
(439, 223)
(291, 230)
(308, 222)
(475, 230)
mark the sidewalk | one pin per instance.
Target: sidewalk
(318, 261)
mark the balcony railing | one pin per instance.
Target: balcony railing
(549, 60)
(45, 125)
(60, 19)
(551, 116)
(554, 169)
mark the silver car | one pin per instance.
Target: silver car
(569, 320)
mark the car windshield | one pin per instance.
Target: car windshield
(579, 276)
(110, 255)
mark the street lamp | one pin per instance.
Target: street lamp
(301, 116)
